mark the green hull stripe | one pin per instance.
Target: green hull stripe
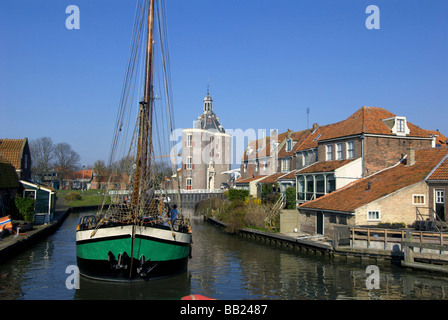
(154, 250)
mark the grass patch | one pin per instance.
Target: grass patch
(88, 198)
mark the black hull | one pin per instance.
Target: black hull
(104, 270)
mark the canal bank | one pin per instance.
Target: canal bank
(12, 245)
(373, 250)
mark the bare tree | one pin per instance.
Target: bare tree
(99, 168)
(66, 159)
(42, 153)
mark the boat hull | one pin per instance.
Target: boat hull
(112, 253)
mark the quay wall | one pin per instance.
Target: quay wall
(375, 252)
(10, 246)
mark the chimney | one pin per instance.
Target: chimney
(411, 156)
(315, 126)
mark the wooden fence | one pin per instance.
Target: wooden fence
(393, 236)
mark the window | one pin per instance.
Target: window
(333, 218)
(189, 163)
(27, 193)
(373, 216)
(189, 183)
(329, 148)
(350, 149)
(301, 188)
(320, 186)
(288, 145)
(286, 164)
(309, 188)
(339, 155)
(331, 183)
(440, 196)
(189, 140)
(418, 199)
(400, 125)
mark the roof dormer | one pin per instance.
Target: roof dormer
(397, 125)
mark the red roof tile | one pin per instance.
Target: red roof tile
(247, 180)
(441, 172)
(368, 120)
(325, 166)
(272, 178)
(378, 185)
(11, 150)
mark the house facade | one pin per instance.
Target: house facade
(391, 195)
(325, 158)
(436, 202)
(206, 152)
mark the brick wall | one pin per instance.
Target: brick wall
(383, 152)
(396, 207)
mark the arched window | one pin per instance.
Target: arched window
(320, 186)
(300, 188)
(331, 183)
(310, 187)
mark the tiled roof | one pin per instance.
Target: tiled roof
(324, 166)
(368, 120)
(262, 147)
(272, 178)
(82, 174)
(11, 150)
(441, 172)
(378, 185)
(247, 180)
(8, 175)
(289, 176)
(441, 140)
(299, 137)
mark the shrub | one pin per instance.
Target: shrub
(255, 215)
(237, 194)
(24, 208)
(72, 196)
(271, 198)
(235, 219)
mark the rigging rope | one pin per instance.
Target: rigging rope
(131, 90)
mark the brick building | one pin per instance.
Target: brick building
(392, 195)
(325, 158)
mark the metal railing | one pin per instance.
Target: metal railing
(429, 221)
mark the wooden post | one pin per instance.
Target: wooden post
(408, 251)
(385, 239)
(353, 237)
(368, 238)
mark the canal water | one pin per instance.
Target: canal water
(223, 267)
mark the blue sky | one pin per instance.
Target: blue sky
(267, 62)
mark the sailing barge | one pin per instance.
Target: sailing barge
(135, 239)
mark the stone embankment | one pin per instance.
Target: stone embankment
(12, 245)
(317, 244)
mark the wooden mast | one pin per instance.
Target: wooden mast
(144, 131)
(144, 146)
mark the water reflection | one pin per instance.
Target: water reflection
(223, 267)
